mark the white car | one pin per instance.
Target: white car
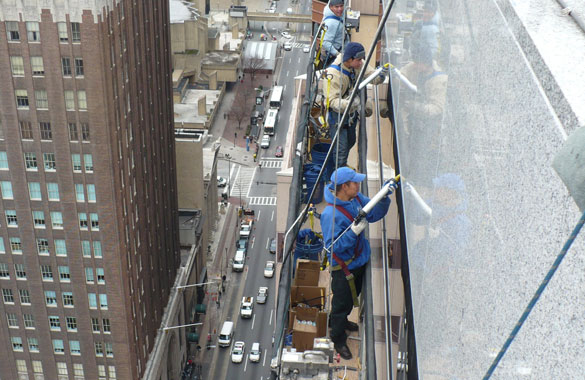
(238, 352)
(265, 144)
(287, 46)
(306, 48)
(255, 352)
(262, 294)
(286, 35)
(221, 182)
(269, 269)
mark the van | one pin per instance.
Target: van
(225, 334)
(238, 265)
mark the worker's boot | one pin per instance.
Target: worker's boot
(343, 350)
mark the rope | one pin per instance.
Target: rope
(536, 296)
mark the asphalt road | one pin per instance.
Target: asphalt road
(259, 186)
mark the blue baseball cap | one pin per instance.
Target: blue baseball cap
(346, 174)
(354, 50)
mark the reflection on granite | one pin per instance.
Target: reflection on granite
(500, 214)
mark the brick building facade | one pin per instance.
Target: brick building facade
(89, 243)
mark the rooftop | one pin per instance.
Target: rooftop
(188, 112)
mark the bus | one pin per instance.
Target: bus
(276, 97)
(270, 121)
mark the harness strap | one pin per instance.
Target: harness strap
(333, 17)
(343, 264)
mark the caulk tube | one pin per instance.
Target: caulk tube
(377, 198)
(372, 76)
(416, 196)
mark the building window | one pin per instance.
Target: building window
(62, 367)
(101, 277)
(21, 99)
(73, 132)
(85, 132)
(69, 100)
(7, 296)
(89, 275)
(78, 67)
(37, 366)
(12, 320)
(34, 190)
(39, 219)
(43, 247)
(50, 161)
(21, 366)
(46, 133)
(2, 249)
(92, 298)
(85, 248)
(32, 31)
(24, 295)
(91, 193)
(62, 29)
(57, 220)
(54, 323)
(53, 191)
(97, 249)
(26, 132)
(75, 32)
(6, 187)
(50, 298)
(79, 195)
(3, 161)
(102, 371)
(29, 321)
(37, 66)
(30, 161)
(20, 271)
(76, 161)
(11, 219)
(4, 272)
(58, 346)
(66, 66)
(68, 299)
(33, 344)
(46, 273)
(60, 247)
(71, 324)
(16, 343)
(95, 223)
(64, 274)
(106, 325)
(103, 301)
(95, 325)
(82, 220)
(15, 246)
(17, 65)
(12, 31)
(81, 100)
(112, 372)
(109, 349)
(42, 103)
(75, 347)
(99, 349)
(88, 161)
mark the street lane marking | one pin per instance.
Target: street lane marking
(262, 201)
(272, 216)
(271, 164)
(264, 361)
(253, 240)
(270, 321)
(287, 72)
(258, 215)
(246, 363)
(267, 242)
(253, 320)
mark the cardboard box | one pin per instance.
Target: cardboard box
(307, 273)
(312, 296)
(303, 334)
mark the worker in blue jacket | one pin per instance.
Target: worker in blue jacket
(351, 253)
(334, 35)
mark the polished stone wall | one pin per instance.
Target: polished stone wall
(485, 212)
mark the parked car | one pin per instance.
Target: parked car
(272, 248)
(221, 182)
(287, 46)
(262, 294)
(289, 11)
(286, 34)
(306, 48)
(269, 269)
(238, 352)
(242, 244)
(255, 352)
(265, 144)
(278, 152)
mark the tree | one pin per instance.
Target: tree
(253, 65)
(242, 103)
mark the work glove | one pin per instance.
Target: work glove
(358, 228)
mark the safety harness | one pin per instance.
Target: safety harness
(356, 253)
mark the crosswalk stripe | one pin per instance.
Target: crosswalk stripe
(271, 164)
(262, 201)
(242, 182)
